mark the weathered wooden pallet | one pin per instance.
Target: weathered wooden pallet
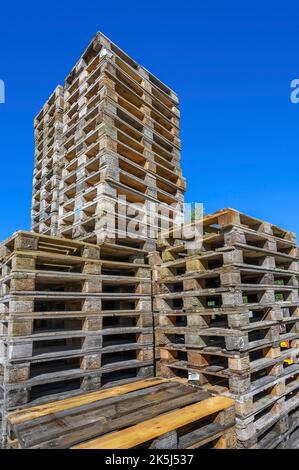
(140, 414)
(211, 360)
(250, 296)
(223, 221)
(199, 336)
(110, 322)
(181, 260)
(269, 427)
(59, 381)
(93, 217)
(138, 180)
(237, 276)
(28, 303)
(97, 195)
(77, 284)
(242, 376)
(25, 249)
(267, 392)
(240, 317)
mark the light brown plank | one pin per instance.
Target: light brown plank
(53, 407)
(155, 427)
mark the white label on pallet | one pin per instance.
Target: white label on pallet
(193, 376)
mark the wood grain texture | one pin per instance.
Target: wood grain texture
(153, 428)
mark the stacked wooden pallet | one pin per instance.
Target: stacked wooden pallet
(120, 156)
(228, 316)
(74, 317)
(153, 413)
(48, 128)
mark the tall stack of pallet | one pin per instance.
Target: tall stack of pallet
(73, 317)
(120, 152)
(77, 316)
(227, 316)
(48, 129)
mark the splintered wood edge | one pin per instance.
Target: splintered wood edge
(35, 412)
(156, 427)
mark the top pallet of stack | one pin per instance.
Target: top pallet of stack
(222, 220)
(24, 240)
(102, 43)
(225, 228)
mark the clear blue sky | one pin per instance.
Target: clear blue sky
(230, 62)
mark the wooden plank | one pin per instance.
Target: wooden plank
(202, 436)
(53, 407)
(153, 428)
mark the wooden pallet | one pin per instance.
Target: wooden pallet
(242, 373)
(38, 245)
(232, 223)
(56, 382)
(267, 392)
(270, 427)
(230, 339)
(225, 297)
(240, 317)
(141, 414)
